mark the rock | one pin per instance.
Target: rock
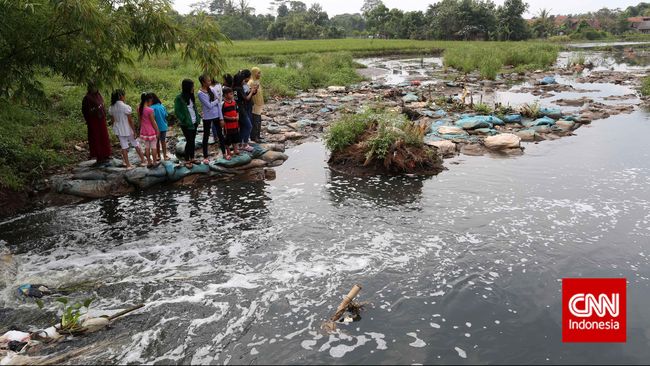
(254, 164)
(527, 135)
(304, 123)
(274, 147)
(271, 128)
(573, 102)
(503, 141)
(484, 131)
(271, 156)
(472, 150)
(445, 148)
(311, 100)
(276, 138)
(293, 135)
(336, 89)
(451, 130)
(269, 174)
(565, 125)
(324, 110)
(410, 98)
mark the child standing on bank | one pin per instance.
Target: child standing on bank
(230, 122)
(148, 129)
(122, 121)
(160, 114)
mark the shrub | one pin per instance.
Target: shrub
(645, 87)
(482, 108)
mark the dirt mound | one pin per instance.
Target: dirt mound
(400, 159)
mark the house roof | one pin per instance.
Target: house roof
(638, 19)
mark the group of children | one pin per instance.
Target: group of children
(232, 112)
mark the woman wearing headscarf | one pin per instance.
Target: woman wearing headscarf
(258, 103)
(94, 113)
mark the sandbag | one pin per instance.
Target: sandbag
(527, 135)
(485, 131)
(474, 122)
(451, 130)
(512, 118)
(410, 98)
(258, 150)
(554, 113)
(565, 125)
(445, 148)
(502, 141)
(237, 160)
(544, 121)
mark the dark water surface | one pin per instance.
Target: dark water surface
(460, 268)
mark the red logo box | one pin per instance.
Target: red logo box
(594, 310)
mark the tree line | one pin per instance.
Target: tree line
(446, 20)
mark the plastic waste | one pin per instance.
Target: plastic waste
(36, 291)
(548, 80)
(15, 335)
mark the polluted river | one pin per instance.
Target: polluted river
(463, 267)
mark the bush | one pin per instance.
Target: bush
(346, 131)
(645, 87)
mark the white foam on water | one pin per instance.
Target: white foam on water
(418, 343)
(461, 352)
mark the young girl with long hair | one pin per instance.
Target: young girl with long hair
(148, 129)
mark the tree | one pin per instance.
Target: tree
(462, 19)
(376, 20)
(543, 25)
(370, 5)
(82, 40)
(221, 7)
(511, 25)
(283, 10)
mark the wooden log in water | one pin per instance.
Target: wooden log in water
(346, 302)
(124, 312)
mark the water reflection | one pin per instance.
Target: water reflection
(375, 190)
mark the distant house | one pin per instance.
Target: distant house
(640, 24)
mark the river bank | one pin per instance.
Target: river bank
(437, 97)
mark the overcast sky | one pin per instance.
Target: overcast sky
(334, 7)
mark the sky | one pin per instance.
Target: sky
(334, 7)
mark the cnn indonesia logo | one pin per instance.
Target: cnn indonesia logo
(594, 310)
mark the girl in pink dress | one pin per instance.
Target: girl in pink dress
(148, 129)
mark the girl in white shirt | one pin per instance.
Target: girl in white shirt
(122, 121)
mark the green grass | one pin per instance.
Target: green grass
(389, 127)
(489, 58)
(645, 87)
(347, 130)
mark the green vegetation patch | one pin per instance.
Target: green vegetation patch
(489, 58)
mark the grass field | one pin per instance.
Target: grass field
(34, 139)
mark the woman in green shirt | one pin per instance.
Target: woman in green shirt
(189, 119)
